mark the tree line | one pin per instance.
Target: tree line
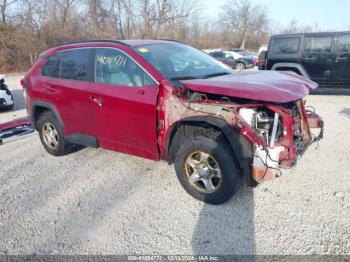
(28, 27)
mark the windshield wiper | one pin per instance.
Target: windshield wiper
(216, 74)
(183, 78)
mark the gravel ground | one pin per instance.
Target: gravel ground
(101, 202)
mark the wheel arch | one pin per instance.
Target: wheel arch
(240, 147)
(39, 106)
(294, 66)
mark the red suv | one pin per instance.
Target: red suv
(164, 100)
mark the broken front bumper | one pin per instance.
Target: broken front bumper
(268, 160)
(15, 128)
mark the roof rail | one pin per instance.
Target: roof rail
(171, 40)
(95, 40)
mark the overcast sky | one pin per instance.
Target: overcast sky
(328, 14)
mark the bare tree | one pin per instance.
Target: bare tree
(98, 13)
(294, 27)
(156, 14)
(40, 24)
(4, 5)
(242, 18)
(130, 23)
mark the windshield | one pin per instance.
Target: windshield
(180, 62)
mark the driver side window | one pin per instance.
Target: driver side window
(114, 67)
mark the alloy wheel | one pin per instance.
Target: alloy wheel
(203, 172)
(50, 135)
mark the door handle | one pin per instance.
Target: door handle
(51, 89)
(96, 100)
(340, 58)
(310, 58)
(141, 91)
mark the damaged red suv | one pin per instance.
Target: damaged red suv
(164, 100)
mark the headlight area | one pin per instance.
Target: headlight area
(278, 134)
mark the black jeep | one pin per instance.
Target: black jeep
(321, 57)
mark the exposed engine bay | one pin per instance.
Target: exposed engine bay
(286, 136)
(279, 133)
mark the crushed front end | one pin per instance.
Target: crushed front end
(276, 132)
(279, 134)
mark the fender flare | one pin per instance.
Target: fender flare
(240, 147)
(36, 104)
(292, 65)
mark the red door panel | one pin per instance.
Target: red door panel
(124, 118)
(74, 106)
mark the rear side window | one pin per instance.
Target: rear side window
(318, 44)
(52, 66)
(289, 45)
(344, 44)
(218, 55)
(74, 64)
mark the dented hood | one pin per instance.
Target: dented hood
(270, 86)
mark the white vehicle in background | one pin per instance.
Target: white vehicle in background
(6, 98)
(208, 51)
(262, 48)
(235, 55)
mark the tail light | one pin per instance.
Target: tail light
(23, 83)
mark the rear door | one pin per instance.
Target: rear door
(317, 57)
(123, 102)
(221, 56)
(230, 61)
(66, 79)
(71, 90)
(342, 58)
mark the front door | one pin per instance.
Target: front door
(123, 102)
(317, 57)
(342, 59)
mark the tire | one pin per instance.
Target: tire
(240, 66)
(51, 135)
(10, 107)
(221, 156)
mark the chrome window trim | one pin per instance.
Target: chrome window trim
(96, 47)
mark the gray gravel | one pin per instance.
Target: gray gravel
(101, 202)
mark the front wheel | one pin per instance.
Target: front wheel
(9, 108)
(207, 169)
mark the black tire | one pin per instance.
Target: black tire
(219, 149)
(7, 108)
(63, 147)
(240, 66)
(10, 107)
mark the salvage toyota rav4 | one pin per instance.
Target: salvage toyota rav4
(164, 100)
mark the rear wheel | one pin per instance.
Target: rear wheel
(51, 135)
(207, 169)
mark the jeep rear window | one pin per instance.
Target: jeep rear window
(74, 64)
(52, 66)
(289, 45)
(319, 44)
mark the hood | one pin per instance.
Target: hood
(269, 86)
